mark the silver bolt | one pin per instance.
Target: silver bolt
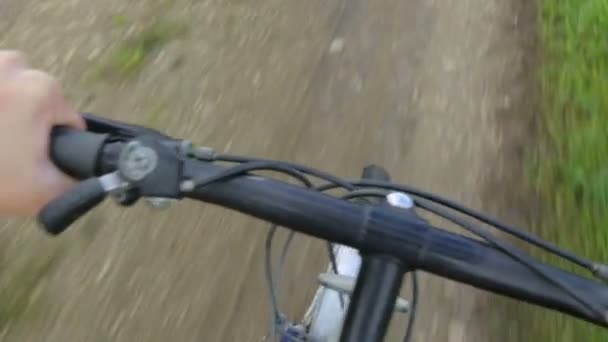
(187, 186)
(136, 161)
(400, 200)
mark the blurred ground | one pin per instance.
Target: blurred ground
(424, 88)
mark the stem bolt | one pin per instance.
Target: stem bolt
(187, 186)
(400, 200)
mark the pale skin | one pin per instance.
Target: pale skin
(31, 104)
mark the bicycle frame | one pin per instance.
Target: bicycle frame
(325, 317)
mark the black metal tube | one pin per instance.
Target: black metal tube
(373, 300)
(385, 230)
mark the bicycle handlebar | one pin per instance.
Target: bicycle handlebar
(391, 231)
(380, 229)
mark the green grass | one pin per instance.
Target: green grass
(572, 162)
(130, 56)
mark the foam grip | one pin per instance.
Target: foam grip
(75, 151)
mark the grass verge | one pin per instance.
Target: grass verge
(572, 163)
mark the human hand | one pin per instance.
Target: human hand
(31, 104)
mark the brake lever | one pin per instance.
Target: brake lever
(144, 166)
(61, 212)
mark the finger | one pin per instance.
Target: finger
(54, 109)
(64, 113)
(11, 62)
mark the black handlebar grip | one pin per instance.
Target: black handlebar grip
(75, 151)
(61, 212)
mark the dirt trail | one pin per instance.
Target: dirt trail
(415, 86)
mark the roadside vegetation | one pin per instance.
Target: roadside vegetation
(571, 170)
(129, 56)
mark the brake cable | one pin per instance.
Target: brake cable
(511, 252)
(337, 182)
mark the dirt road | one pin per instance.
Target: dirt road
(421, 87)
